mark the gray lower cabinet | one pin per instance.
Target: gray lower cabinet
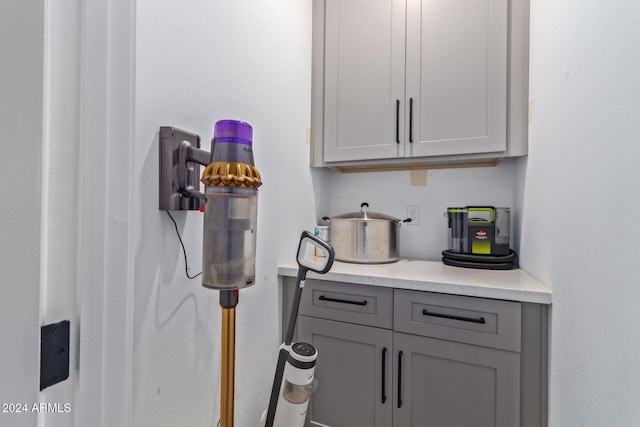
(401, 358)
(353, 373)
(442, 383)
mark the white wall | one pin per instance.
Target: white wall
(21, 127)
(581, 232)
(391, 192)
(198, 62)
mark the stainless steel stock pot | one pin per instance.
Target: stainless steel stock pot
(365, 237)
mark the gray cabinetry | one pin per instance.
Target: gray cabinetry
(394, 357)
(444, 383)
(457, 76)
(486, 322)
(464, 369)
(400, 83)
(363, 305)
(353, 373)
(363, 78)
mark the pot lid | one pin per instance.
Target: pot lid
(365, 215)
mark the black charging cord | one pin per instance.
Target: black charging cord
(184, 251)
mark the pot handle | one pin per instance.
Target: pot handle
(400, 221)
(363, 205)
(327, 219)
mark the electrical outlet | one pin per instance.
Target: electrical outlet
(413, 212)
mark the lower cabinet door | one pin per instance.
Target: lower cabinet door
(448, 384)
(353, 372)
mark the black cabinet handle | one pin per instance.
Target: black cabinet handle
(410, 119)
(453, 317)
(398, 121)
(399, 379)
(342, 301)
(384, 374)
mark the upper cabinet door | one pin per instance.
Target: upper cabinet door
(364, 79)
(456, 100)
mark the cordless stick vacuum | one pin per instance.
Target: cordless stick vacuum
(230, 204)
(294, 381)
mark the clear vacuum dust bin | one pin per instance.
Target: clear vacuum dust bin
(230, 209)
(229, 251)
(457, 236)
(297, 386)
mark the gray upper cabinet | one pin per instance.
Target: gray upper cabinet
(363, 76)
(418, 82)
(457, 76)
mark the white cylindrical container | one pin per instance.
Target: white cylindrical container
(322, 231)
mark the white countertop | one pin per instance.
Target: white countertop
(434, 276)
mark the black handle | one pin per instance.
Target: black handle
(453, 317)
(384, 374)
(410, 119)
(342, 301)
(398, 121)
(399, 379)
